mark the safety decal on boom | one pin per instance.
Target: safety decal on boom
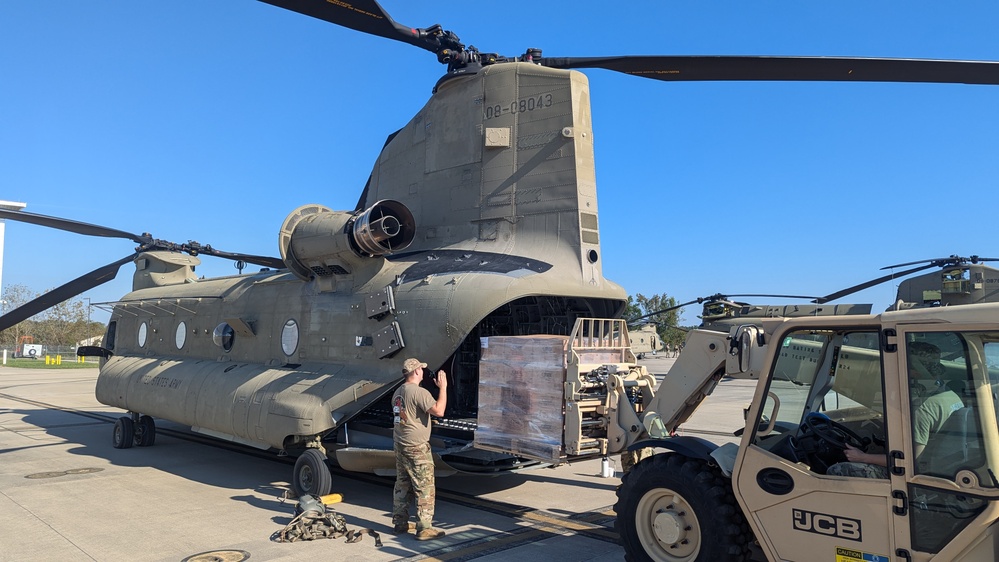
(851, 555)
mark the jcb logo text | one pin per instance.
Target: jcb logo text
(825, 524)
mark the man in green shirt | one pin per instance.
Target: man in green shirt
(930, 409)
(412, 406)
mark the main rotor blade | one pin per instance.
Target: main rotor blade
(831, 69)
(943, 262)
(65, 292)
(695, 301)
(871, 283)
(72, 226)
(931, 261)
(772, 296)
(366, 16)
(264, 261)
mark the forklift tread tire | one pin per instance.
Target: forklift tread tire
(672, 508)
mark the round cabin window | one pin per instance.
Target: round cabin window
(289, 337)
(181, 334)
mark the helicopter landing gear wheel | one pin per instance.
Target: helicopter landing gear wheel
(311, 476)
(145, 432)
(673, 508)
(123, 433)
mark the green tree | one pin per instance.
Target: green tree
(64, 324)
(666, 322)
(13, 297)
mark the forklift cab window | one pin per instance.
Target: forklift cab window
(825, 391)
(952, 396)
(945, 402)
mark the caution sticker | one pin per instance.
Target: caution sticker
(851, 555)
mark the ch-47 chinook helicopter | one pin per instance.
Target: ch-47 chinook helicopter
(479, 219)
(644, 339)
(960, 280)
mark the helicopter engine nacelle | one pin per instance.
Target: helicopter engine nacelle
(318, 242)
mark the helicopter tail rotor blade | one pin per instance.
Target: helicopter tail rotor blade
(871, 283)
(65, 292)
(73, 226)
(826, 69)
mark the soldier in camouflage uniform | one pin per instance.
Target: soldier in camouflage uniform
(412, 407)
(930, 409)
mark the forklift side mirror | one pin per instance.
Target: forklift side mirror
(741, 340)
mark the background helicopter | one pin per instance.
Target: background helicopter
(590, 295)
(958, 280)
(645, 339)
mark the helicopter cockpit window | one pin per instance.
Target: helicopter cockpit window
(143, 333)
(109, 336)
(223, 336)
(289, 337)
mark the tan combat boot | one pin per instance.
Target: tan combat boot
(429, 534)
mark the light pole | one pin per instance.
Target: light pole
(8, 206)
(3, 309)
(88, 320)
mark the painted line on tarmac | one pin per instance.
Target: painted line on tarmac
(493, 542)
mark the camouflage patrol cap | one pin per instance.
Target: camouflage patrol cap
(411, 364)
(928, 355)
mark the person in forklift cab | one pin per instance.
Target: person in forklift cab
(932, 404)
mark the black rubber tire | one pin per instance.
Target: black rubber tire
(145, 434)
(123, 433)
(311, 476)
(699, 519)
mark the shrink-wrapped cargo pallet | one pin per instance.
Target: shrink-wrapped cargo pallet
(520, 395)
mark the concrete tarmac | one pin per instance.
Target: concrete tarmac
(66, 494)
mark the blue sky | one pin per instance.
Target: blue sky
(213, 120)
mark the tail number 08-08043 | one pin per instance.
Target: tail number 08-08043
(520, 106)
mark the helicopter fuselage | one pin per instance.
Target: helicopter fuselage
(479, 219)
